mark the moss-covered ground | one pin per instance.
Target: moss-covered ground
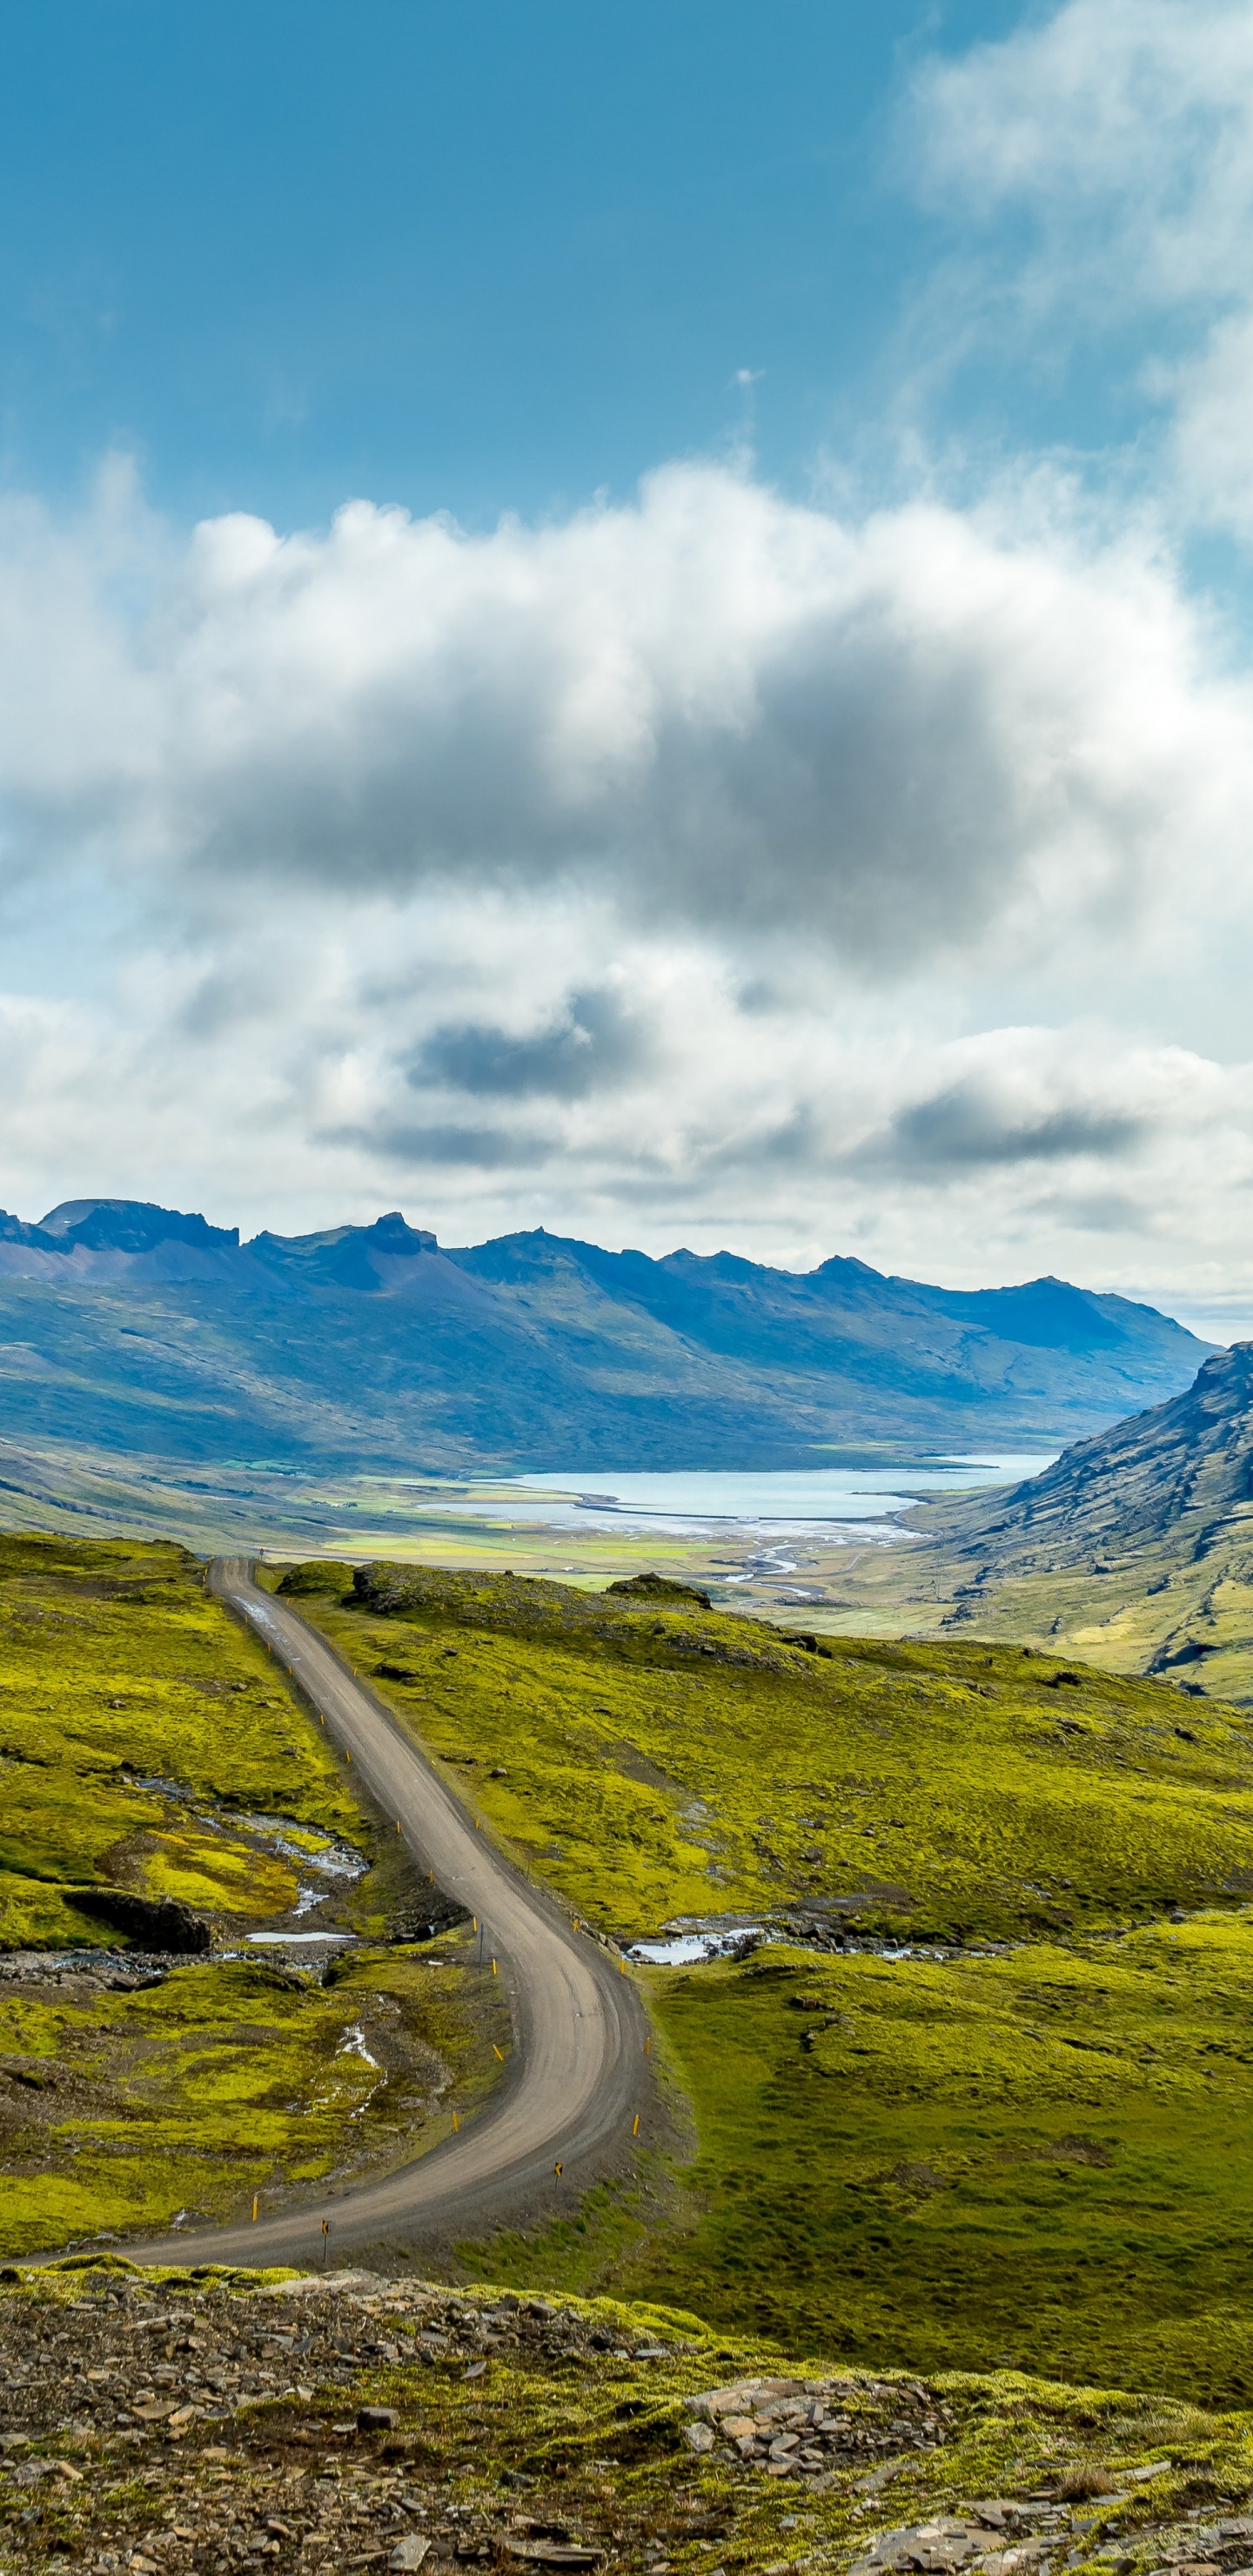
(1041, 2153)
(654, 1759)
(229, 2081)
(1043, 2159)
(551, 2436)
(150, 1750)
(137, 1723)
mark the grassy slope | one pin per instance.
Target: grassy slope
(654, 1762)
(143, 1739)
(1040, 2159)
(1122, 1612)
(1042, 2153)
(117, 1671)
(1132, 1549)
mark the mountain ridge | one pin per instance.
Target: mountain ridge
(149, 1329)
(1132, 1551)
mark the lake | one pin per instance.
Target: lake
(702, 1500)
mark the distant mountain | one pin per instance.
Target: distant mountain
(1134, 1550)
(135, 1328)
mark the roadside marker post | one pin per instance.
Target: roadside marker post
(557, 2171)
(635, 2126)
(254, 2208)
(493, 1967)
(498, 2052)
(455, 2123)
(326, 2238)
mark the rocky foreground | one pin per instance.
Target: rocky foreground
(213, 2422)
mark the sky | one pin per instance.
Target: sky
(636, 620)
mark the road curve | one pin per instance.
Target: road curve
(577, 2070)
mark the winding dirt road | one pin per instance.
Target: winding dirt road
(577, 2072)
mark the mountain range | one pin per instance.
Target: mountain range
(1134, 1550)
(137, 1329)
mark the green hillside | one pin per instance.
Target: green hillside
(1028, 2144)
(1024, 2142)
(1134, 1550)
(654, 1758)
(162, 1789)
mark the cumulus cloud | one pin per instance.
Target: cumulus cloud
(896, 738)
(705, 865)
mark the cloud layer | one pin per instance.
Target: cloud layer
(710, 865)
(900, 738)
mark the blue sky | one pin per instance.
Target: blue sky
(477, 258)
(636, 620)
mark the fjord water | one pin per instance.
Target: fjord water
(700, 1499)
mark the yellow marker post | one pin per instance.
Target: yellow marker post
(648, 2048)
(474, 1923)
(397, 1824)
(635, 2126)
(493, 1967)
(254, 2207)
(557, 2171)
(498, 2052)
(455, 2121)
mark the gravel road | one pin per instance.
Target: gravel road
(577, 2073)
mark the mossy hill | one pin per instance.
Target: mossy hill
(1024, 2141)
(200, 2421)
(1135, 1550)
(163, 1795)
(654, 1760)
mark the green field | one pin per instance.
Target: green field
(653, 1759)
(1042, 2160)
(1033, 2147)
(1025, 2145)
(150, 1752)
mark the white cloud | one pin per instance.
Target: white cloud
(1124, 128)
(705, 867)
(634, 875)
(1107, 155)
(900, 738)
